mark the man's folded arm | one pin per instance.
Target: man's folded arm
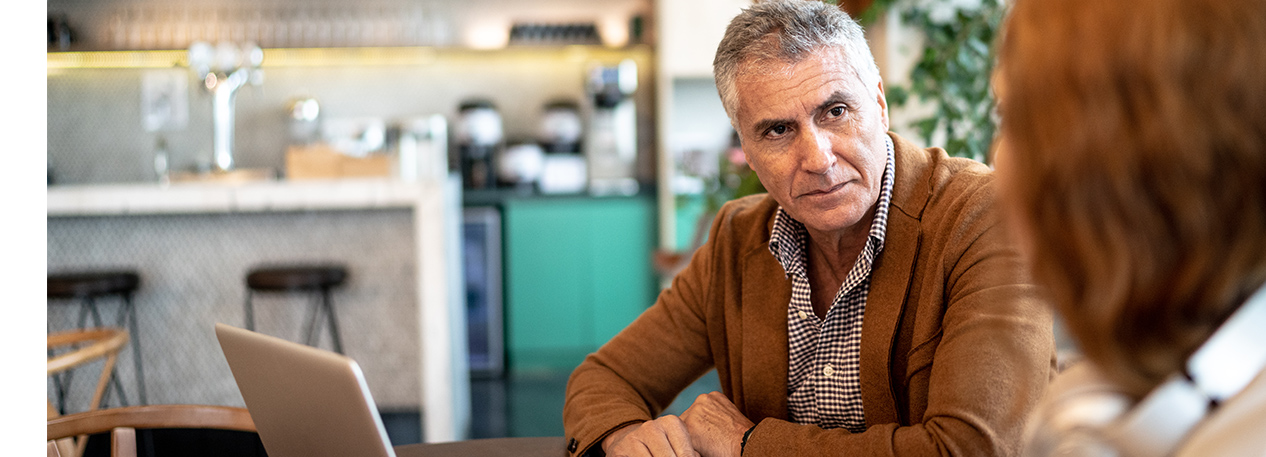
(638, 373)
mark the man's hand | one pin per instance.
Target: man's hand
(716, 426)
(662, 437)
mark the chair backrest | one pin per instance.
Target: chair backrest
(122, 423)
(92, 344)
(88, 345)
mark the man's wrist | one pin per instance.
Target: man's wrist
(743, 444)
(616, 435)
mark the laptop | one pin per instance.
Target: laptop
(306, 402)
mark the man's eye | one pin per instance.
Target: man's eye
(776, 130)
(836, 111)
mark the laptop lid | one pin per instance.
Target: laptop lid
(306, 402)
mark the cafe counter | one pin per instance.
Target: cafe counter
(401, 312)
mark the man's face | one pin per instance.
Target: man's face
(814, 135)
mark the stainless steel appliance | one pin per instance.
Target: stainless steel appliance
(611, 141)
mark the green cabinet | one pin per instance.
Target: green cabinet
(577, 271)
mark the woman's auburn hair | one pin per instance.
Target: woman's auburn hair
(1134, 163)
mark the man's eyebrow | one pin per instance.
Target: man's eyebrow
(838, 96)
(763, 125)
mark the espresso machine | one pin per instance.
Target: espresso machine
(610, 144)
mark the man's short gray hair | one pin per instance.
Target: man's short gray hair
(788, 31)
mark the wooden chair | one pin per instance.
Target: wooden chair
(88, 345)
(122, 423)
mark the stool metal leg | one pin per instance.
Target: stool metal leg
(136, 348)
(60, 385)
(83, 314)
(118, 388)
(329, 312)
(64, 380)
(312, 338)
(114, 371)
(92, 306)
(250, 311)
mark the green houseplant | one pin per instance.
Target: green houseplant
(952, 71)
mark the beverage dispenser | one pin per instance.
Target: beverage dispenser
(611, 141)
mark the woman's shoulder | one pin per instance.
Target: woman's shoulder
(1235, 428)
(1077, 404)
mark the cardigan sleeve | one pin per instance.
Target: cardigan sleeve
(638, 373)
(986, 360)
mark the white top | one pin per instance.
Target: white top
(1236, 428)
(1080, 404)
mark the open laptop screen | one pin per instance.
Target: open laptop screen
(306, 402)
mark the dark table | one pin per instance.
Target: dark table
(551, 446)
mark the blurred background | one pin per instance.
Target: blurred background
(504, 184)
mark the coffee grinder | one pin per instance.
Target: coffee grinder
(611, 141)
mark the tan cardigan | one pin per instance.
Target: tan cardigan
(956, 347)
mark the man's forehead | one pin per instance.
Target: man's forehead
(828, 77)
(830, 58)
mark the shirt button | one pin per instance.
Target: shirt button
(804, 315)
(828, 371)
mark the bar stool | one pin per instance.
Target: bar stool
(86, 287)
(317, 279)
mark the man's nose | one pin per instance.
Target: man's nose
(815, 152)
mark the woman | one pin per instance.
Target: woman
(1133, 169)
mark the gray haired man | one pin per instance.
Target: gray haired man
(869, 304)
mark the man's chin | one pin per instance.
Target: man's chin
(837, 220)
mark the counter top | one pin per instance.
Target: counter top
(184, 197)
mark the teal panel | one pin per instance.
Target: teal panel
(624, 279)
(577, 271)
(546, 278)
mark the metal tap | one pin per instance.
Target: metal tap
(223, 70)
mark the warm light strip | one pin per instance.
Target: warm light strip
(324, 57)
(315, 57)
(117, 59)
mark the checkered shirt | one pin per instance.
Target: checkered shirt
(823, 376)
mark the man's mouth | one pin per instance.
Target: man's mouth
(824, 191)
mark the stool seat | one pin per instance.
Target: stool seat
(296, 277)
(71, 285)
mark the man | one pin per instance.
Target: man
(869, 304)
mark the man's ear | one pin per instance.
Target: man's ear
(883, 102)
